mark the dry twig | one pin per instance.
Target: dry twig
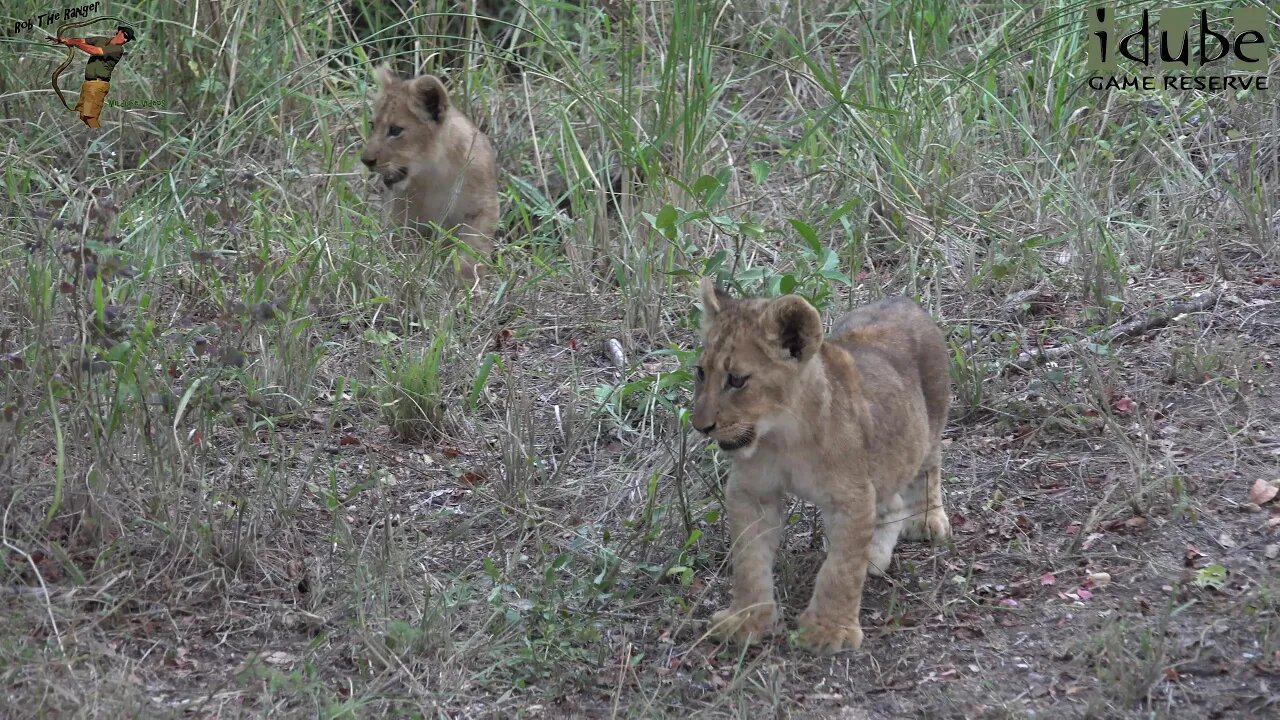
(1118, 332)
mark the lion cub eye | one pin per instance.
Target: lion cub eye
(736, 381)
(699, 373)
(394, 131)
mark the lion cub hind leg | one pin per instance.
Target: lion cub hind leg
(926, 515)
(890, 519)
(755, 524)
(830, 623)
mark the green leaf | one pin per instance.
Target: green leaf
(482, 377)
(119, 352)
(808, 233)
(829, 260)
(1211, 576)
(666, 219)
(723, 176)
(786, 284)
(705, 185)
(380, 337)
(759, 171)
(838, 276)
(714, 263)
(844, 209)
(99, 299)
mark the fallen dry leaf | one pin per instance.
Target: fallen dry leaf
(1084, 594)
(1124, 404)
(1189, 557)
(1048, 579)
(1262, 492)
(1099, 579)
(280, 658)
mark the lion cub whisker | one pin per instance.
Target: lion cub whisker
(851, 422)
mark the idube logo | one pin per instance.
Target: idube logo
(1184, 49)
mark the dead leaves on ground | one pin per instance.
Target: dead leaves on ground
(1262, 492)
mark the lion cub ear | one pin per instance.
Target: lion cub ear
(792, 324)
(385, 76)
(714, 302)
(431, 100)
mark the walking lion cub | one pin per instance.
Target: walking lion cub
(852, 424)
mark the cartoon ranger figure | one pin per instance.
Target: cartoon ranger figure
(104, 53)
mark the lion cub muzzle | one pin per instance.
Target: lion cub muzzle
(391, 175)
(729, 437)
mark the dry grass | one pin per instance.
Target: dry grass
(260, 461)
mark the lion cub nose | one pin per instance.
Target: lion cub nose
(705, 430)
(368, 161)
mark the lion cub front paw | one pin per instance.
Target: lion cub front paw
(825, 638)
(744, 626)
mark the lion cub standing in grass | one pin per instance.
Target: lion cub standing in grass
(436, 166)
(852, 424)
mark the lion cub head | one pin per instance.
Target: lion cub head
(754, 356)
(409, 117)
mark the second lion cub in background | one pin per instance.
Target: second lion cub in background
(436, 166)
(852, 424)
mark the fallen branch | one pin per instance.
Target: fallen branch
(1118, 332)
(1007, 313)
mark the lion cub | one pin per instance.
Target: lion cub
(852, 424)
(436, 166)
